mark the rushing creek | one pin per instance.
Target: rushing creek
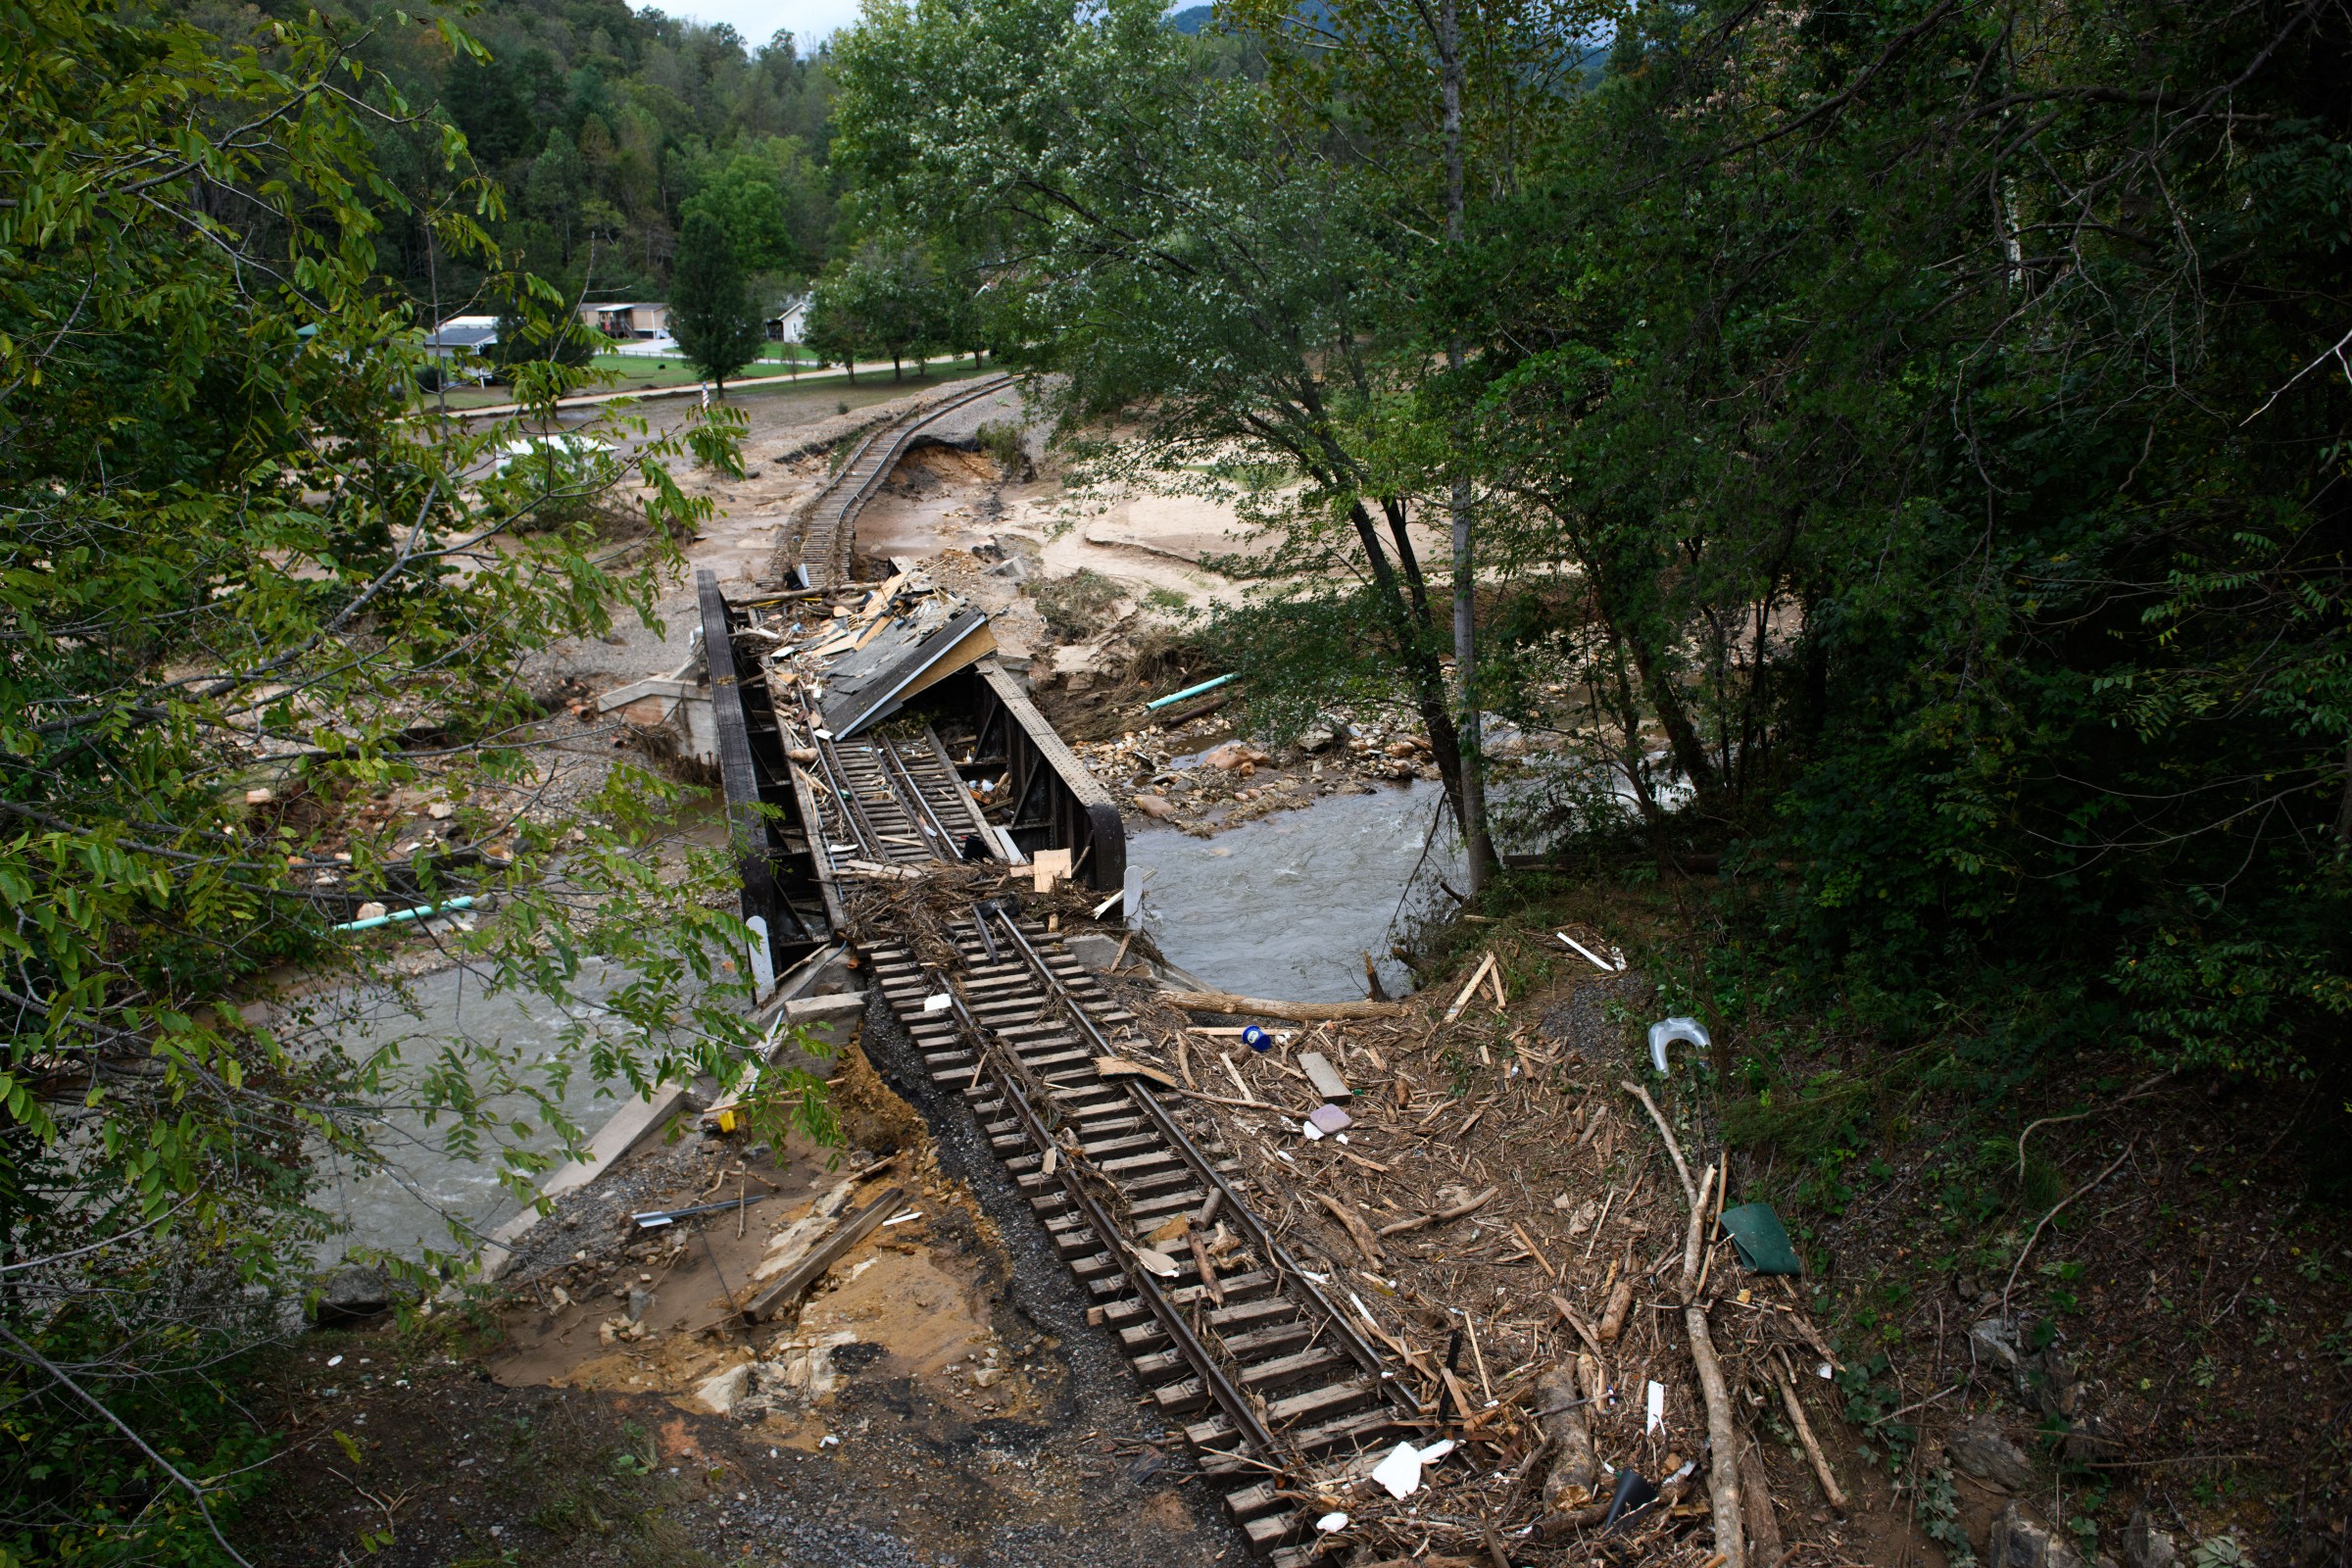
(407, 1204)
(1286, 905)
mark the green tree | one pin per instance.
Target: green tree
(711, 309)
(1186, 260)
(238, 569)
(769, 198)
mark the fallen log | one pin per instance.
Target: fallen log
(1294, 1011)
(1723, 1468)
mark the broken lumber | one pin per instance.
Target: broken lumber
(821, 1259)
(1324, 1076)
(1121, 1068)
(1476, 975)
(1295, 1012)
(1442, 1216)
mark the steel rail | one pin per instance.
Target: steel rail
(892, 439)
(1230, 1399)
(862, 827)
(1267, 1245)
(902, 781)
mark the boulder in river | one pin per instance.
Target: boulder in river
(352, 1292)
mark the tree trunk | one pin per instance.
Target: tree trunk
(1472, 796)
(1428, 678)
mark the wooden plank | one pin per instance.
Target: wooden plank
(809, 1270)
(1325, 1077)
(1296, 1012)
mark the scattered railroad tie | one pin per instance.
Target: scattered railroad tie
(788, 1286)
(1224, 1327)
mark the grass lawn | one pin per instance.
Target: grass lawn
(632, 372)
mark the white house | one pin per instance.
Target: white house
(788, 324)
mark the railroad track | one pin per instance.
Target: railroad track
(832, 526)
(898, 800)
(1260, 1364)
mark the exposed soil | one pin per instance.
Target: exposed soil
(940, 1414)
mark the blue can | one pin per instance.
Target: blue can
(1257, 1039)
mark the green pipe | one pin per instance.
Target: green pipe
(1189, 691)
(417, 913)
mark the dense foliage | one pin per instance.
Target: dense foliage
(1904, 441)
(243, 585)
(711, 315)
(606, 127)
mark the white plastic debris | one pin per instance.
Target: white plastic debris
(1824, 1373)
(1310, 1132)
(1401, 1472)
(1332, 1523)
(1612, 965)
(1657, 1407)
(1157, 1262)
(1666, 1031)
(942, 1003)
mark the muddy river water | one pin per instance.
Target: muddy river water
(409, 1204)
(1286, 905)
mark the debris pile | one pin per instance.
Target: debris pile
(1517, 1223)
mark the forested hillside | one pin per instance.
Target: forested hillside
(606, 129)
(1903, 443)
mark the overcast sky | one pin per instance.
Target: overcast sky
(807, 21)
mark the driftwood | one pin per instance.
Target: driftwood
(1723, 1466)
(1682, 1167)
(1691, 1241)
(1295, 1012)
(1805, 1434)
(1442, 1215)
(1764, 1544)
(1359, 1232)
(1612, 1317)
(1722, 1470)
(1572, 1482)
